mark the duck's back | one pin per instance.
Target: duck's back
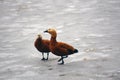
(42, 45)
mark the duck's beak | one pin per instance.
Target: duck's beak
(46, 31)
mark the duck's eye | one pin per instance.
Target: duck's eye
(49, 29)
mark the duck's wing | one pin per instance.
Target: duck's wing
(61, 51)
(65, 46)
(64, 49)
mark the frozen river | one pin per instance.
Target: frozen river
(91, 26)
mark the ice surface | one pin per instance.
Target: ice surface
(91, 26)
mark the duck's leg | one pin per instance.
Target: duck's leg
(62, 57)
(60, 60)
(47, 56)
(43, 56)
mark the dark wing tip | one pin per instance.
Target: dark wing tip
(75, 51)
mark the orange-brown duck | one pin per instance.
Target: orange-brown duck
(42, 45)
(59, 48)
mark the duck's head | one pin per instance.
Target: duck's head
(51, 31)
(39, 36)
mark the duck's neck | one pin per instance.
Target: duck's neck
(53, 39)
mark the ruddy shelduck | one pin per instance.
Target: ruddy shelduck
(59, 48)
(42, 45)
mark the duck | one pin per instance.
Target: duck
(42, 45)
(61, 49)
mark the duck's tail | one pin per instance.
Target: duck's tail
(75, 51)
(72, 52)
